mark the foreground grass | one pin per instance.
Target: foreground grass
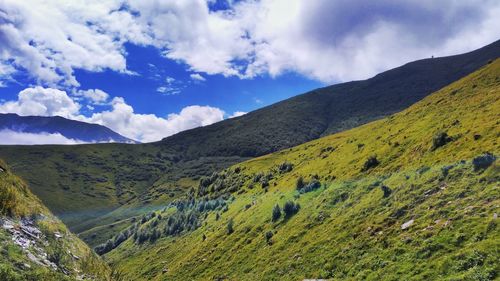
(437, 221)
(71, 257)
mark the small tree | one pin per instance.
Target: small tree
(290, 208)
(230, 226)
(300, 183)
(276, 213)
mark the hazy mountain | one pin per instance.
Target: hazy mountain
(70, 129)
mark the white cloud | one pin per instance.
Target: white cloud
(120, 118)
(197, 77)
(237, 114)
(170, 87)
(95, 96)
(43, 102)
(148, 127)
(323, 39)
(9, 137)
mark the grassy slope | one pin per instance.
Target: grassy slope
(92, 187)
(89, 186)
(16, 203)
(347, 229)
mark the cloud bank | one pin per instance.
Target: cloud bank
(328, 40)
(9, 137)
(120, 117)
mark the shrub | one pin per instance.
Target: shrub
(386, 190)
(300, 183)
(482, 162)
(276, 213)
(265, 183)
(290, 208)
(370, 163)
(285, 167)
(313, 185)
(230, 226)
(440, 139)
(268, 237)
(257, 177)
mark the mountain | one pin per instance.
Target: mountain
(98, 189)
(35, 245)
(413, 196)
(328, 110)
(70, 129)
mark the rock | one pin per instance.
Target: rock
(495, 216)
(407, 224)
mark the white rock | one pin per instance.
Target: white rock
(407, 224)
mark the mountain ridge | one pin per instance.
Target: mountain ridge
(71, 129)
(329, 109)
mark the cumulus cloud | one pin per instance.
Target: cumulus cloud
(197, 77)
(42, 102)
(149, 127)
(323, 39)
(95, 96)
(120, 117)
(9, 137)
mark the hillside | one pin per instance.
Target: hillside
(414, 196)
(97, 189)
(328, 110)
(35, 245)
(71, 129)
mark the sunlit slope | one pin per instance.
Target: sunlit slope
(35, 245)
(414, 196)
(96, 189)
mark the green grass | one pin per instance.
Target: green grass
(91, 187)
(16, 203)
(347, 229)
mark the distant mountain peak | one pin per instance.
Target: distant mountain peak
(59, 126)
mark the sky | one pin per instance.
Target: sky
(149, 69)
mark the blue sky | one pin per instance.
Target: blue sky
(149, 69)
(228, 93)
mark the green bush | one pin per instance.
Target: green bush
(370, 163)
(290, 208)
(440, 139)
(276, 213)
(483, 161)
(230, 226)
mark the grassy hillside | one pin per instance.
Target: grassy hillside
(414, 196)
(97, 189)
(35, 245)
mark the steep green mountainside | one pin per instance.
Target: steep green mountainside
(414, 196)
(97, 189)
(329, 110)
(35, 245)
